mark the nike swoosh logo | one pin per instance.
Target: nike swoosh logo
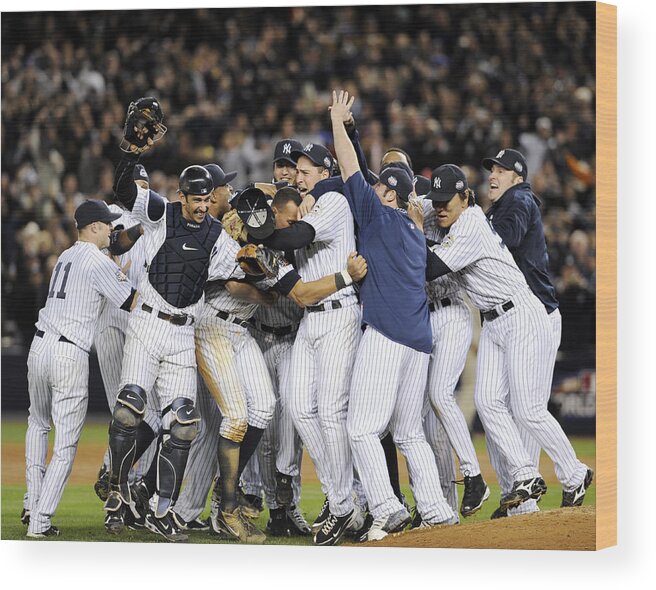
(130, 396)
(185, 247)
(189, 412)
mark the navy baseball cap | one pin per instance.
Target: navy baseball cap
(253, 209)
(283, 151)
(319, 154)
(402, 165)
(140, 173)
(93, 210)
(510, 160)
(446, 181)
(397, 179)
(219, 177)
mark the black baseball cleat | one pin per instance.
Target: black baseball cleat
(333, 529)
(255, 501)
(284, 491)
(115, 511)
(360, 536)
(416, 518)
(523, 490)
(25, 517)
(101, 487)
(476, 492)
(575, 497)
(278, 524)
(53, 531)
(298, 526)
(197, 524)
(165, 527)
(134, 523)
(323, 516)
(500, 512)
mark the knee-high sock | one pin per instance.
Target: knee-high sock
(392, 464)
(248, 445)
(229, 469)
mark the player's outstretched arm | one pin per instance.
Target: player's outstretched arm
(121, 240)
(340, 113)
(250, 293)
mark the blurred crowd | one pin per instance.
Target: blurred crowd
(447, 83)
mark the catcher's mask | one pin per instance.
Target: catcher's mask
(254, 210)
(146, 115)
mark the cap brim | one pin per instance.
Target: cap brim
(489, 162)
(297, 154)
(230, 176)
(285, 159)
(439, 197)
(111, 217)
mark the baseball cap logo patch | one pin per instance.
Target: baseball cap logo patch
(287, 149)
(437, 183)
(308, 147)
(460, 185)
(392, 180)
(518, 167)
(501, 153)
(327, 162)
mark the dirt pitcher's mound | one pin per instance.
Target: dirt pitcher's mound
(563, 529)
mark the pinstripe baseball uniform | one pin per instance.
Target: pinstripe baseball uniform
(514, 349)
(391, 366)
(451, 324)
(109, 340)
(58, 370)
(324, 351)
(274, 329)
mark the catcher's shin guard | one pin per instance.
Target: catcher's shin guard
(127, 415)
(173, 452)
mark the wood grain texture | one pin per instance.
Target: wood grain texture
(606, 179)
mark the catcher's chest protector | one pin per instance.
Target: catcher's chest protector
(179, 270)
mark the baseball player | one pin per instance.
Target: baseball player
(515, 341)
(58, 361)
(324, 349)
(184, 247)
(389, 375)
(451, 323)
(284, 166)
(515, 215)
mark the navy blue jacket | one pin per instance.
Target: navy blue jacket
(516, 218)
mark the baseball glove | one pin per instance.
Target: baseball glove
(235, 226)
(258, 261)
(142, 123)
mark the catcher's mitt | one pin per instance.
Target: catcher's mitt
(235, 226)
(258, 261)
(143, 122)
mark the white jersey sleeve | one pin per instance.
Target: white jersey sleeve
(110, 281)
(223, 263)
(140, 209)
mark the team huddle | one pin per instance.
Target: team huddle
(323, 309)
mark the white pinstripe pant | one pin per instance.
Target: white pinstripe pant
(322, 357)
(238, 384)
(203, 462)
(110, 344)
(280, 447)
(515, 357)
(452, 335)
(439, 443)
(388, 385)
(58, 383)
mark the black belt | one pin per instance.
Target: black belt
(176, 320)
(226, 316)
(493, 314)
(324, 306)
(443, 303)
(279, 331)
(41, 334)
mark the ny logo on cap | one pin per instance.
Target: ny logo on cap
(308, 147)
(437, 183)
(500, 154)
(287, 149)
(392, 180)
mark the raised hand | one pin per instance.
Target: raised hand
(340, 110)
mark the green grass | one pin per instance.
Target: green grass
(80, 515)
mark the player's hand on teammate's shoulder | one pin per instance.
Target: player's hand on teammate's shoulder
(356, 266)
(306, 206)
(416, 213)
